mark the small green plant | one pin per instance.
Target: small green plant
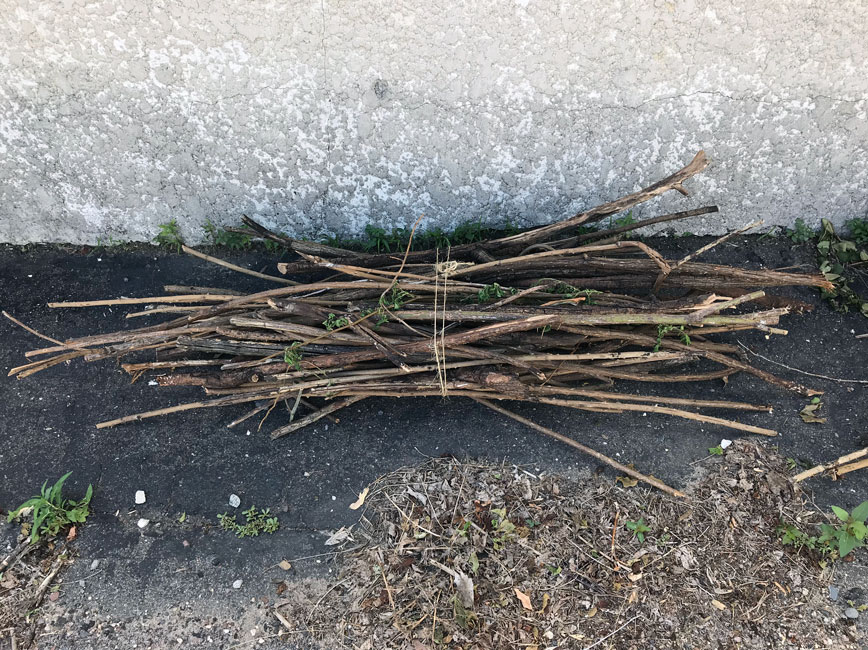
(838, 541)
(271, 246)
(292, 355)
(334, 322)
(233, 240)
(504, 529)
(490, 291)
(170, 236)
(850, 533)
(377, 240)
(626, 220)
(257, 521)
(842, 261)
(639, 529)
(801, 233)
(716, 451)
(569, 291)
(395, 299)
(663, 330)
(858, 231)
(51, 512)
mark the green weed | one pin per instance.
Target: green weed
(334, 322)
(292, 355)
(232, 240)
(170, 236)
(842, 261)
(257, 521)
(490, 291)
(837, 541)
(639, 529)
(51, 512)
(801, 233)
(663, 330)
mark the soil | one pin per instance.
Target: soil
(191, 463)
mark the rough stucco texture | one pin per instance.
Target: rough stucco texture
(319, 117)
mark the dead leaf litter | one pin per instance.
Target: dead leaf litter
(465, 555)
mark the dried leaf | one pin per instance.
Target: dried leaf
(281, 588)
(592, 612)
(545, 603)
(523, 598)
(418, 495)
(71, 534)
(464, 587)
(54, 595)
(355, 505)
(808, 414)
(286, 566)
(627, 481)
(339, 537)
(719, 605)
(474, 562)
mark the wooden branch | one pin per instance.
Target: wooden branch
(313, 417)
(650, 480)
(672, 182)
(235, 267)
(819, 469)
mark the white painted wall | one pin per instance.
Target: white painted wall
(319, 117)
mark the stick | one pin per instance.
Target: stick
(202, 297)
(819, 469)
(650, 480)
(31, 330)
(803, 372)
(235, 267)
(663, 275)
(313, 417)
(852, 467)
(673, 182)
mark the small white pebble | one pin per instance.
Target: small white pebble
(307, 473)
(140, 497)
(334, 498)
(725, 443)
(237, 584)
(153, 383)
(94, 565)
(234, 500)
(143, 523)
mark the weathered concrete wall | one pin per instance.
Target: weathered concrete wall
(319, 117)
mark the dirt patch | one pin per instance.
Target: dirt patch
(475, 555)
(29, 575)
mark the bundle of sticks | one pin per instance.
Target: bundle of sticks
(546, 316)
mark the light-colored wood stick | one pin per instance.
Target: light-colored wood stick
(819, 469)
(851, 467)
(316, 415)
(163, 310)
(220, 401)
(31, 330)
(650, 480)
(202, 297)
(235, 267)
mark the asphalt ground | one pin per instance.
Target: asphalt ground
(189, 463)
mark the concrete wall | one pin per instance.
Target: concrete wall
(321, 116)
